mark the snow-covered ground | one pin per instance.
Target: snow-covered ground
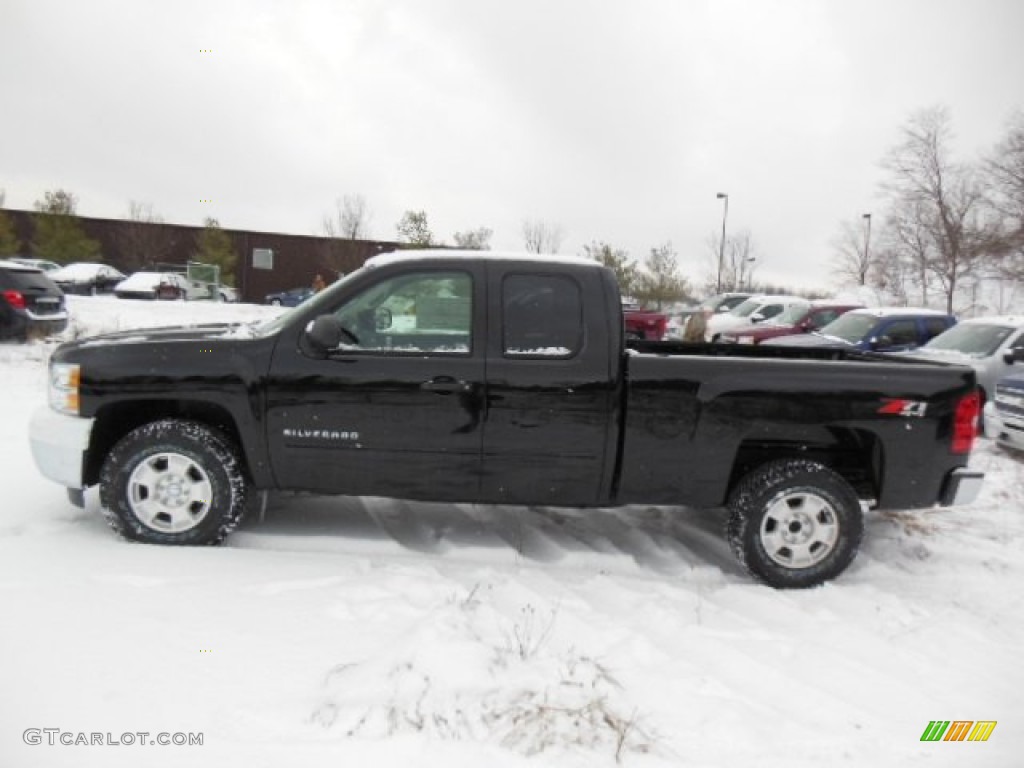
(376, 633)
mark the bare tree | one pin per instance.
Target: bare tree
(659, 282)
(927, 188)
(350, 219)
(616, 260)
(738, 262)
(474, 239)
(58, 202)
(541, 236)
(143, 238)
(909, 250)
(1004, 169)
(852, 257)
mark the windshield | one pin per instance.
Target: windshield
(972, 339)
(851, 327)
(792, 315)
(746, 308)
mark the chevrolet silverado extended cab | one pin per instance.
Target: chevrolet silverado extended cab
(484, 378)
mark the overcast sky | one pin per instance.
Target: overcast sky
(619, 121)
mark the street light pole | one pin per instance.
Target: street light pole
(721, 243)
(867, 252)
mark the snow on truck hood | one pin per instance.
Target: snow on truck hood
(159, 335)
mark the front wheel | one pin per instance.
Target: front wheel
(173, 482)
(794, 523)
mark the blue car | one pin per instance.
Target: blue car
(895, 329)
(289, 298)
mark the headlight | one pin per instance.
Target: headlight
(64, 383)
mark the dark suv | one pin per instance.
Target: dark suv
(31, 304)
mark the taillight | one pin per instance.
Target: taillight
(965, 423)
(15, 299)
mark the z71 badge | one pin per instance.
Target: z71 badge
(908, 408)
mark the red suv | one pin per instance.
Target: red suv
(799, 318)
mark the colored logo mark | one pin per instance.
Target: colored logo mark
(958, 730)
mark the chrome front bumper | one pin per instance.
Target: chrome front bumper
(1005, 430)
(59, 443)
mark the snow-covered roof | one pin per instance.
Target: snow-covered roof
(144, 280)
(1013, 320)
(896, 311)
(430, 254)
(79, 270)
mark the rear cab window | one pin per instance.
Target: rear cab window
(542, 316)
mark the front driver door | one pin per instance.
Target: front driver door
(397, 411)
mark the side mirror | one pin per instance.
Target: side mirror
(757, 317)
(1014, 356)
(326, 333)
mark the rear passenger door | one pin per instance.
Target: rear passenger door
(551, 386)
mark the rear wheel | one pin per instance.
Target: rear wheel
(794, 523)
(173, 482)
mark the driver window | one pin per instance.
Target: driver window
(423, 312)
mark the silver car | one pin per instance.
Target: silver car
(984, 343)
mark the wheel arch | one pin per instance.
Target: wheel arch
(116, 420)
(856, 455)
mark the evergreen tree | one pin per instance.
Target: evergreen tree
(413, 228)
(660, 282)
(9, 243)
(215, 246)
(618, 261)
(58, 234)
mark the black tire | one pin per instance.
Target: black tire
(173, 482)
(794, 523)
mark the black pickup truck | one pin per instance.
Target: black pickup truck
(461, 377)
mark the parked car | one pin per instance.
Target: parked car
(44, 264)
(289, 298)
(879, 330)
(153, 285)
(802, 317)
(644, 323)
(455, 377)
(697, 322)
(1004, 413)
(756, 309)
(986, 344)
(31, 305)
(87, 278)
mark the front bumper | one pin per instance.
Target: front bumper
(1005, 429)
(59, 444)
